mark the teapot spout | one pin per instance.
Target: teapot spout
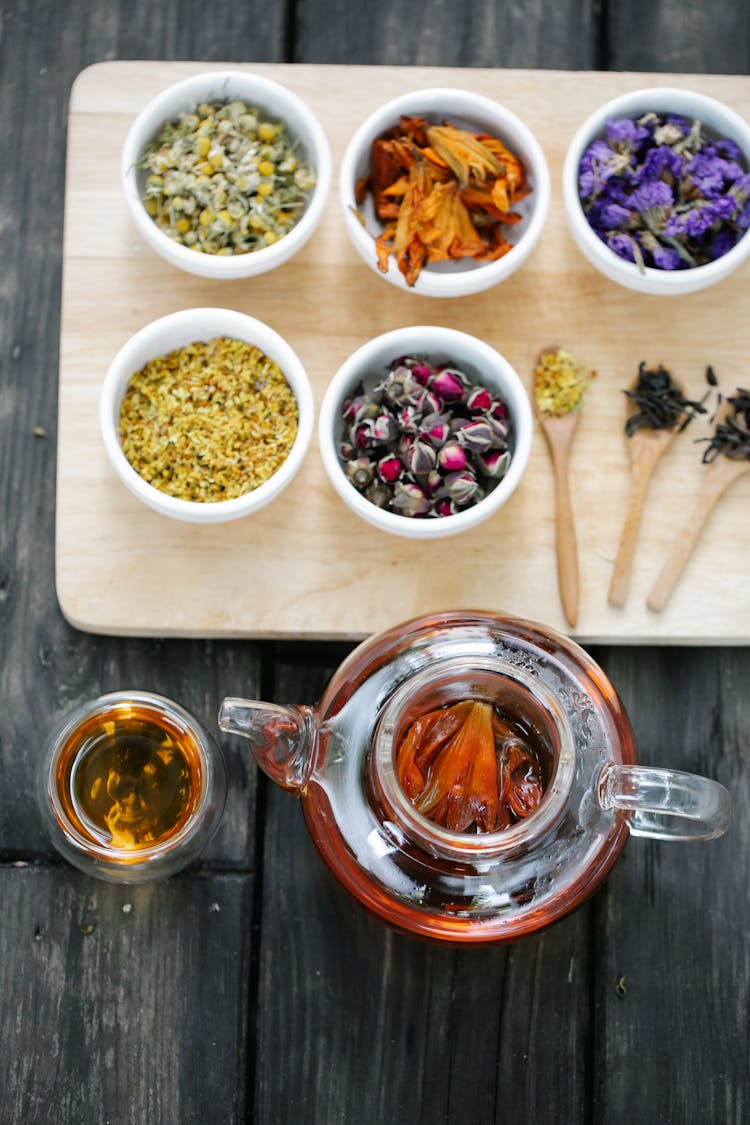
(281, 738)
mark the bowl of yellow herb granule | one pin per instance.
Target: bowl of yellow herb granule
(226, 174)
(206, 414)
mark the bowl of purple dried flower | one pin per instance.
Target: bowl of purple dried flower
(656, 185)
(425, 431)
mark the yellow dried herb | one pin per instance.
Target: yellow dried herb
(560, 382)
(209, 421)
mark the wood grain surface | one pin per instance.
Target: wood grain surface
(289, 1004)
(304, 566)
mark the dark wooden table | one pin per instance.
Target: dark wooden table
(250, 988)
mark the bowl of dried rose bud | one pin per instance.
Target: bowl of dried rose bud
(226, 174)
(656, 185)
(425, 431)
(444, 192)
(206, 415)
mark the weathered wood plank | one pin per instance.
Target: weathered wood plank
(672, 922)
(699, 37)
(442, 33)
(123, 1004)
(48, 667)
(384, 1028)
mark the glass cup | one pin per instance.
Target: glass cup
(132, 787)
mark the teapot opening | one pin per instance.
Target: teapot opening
(431, 791)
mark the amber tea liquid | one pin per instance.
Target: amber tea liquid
(129, 778)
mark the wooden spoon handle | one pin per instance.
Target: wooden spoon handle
(682, 547)
(620, 582)
(567, 546)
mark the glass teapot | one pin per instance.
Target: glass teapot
(433, 881)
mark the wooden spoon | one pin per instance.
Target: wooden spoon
(719, 475)
(559, 431)
(646, 447)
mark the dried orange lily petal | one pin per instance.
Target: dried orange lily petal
(466, 767)
(464, 154)
(442, 193)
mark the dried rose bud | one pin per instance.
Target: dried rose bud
(499, 428)
(476, 436)
(446, 507)
(498, 409)
(451, 457)
(435, 429)
(390, 468)
(430, 403)
(385, 428)
(421, 458)
(360, 472)
(432, 482)
(461, 487)
(378, 494)
(409, 499)
(408, 419)
(404, 444)
(448, 384)
(478, 400)
(421, 372)
(494, 464)
(399, 389)
(362, 434)
(347, 452)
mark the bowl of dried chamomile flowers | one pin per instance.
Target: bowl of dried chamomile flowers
(226, 174)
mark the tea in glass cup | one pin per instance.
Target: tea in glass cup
(132, 787)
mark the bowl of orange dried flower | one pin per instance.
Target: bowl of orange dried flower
(444, 192)
(206, 415)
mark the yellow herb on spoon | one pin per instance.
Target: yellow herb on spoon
(560, 384)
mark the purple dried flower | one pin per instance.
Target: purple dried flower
(358, 408)
(659, 192)
(667, 258)
(409, 499)
(626, 133)
(390, 468)
(446, 507)
(651, 196)
(451, 457)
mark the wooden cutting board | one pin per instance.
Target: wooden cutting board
(305, 566)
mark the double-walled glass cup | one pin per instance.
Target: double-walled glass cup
(132, 787)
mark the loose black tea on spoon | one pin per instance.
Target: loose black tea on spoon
(659, 402)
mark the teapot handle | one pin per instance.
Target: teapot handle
(666, 804)
(281, 738)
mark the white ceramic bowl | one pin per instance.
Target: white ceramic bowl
(464, 109)
(720, 120)
(176, 331)
(438, 345)
(257, 91)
